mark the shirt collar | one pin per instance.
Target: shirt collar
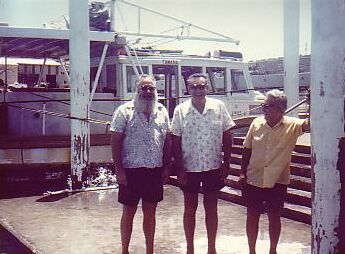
(209, 105)
(281, 121)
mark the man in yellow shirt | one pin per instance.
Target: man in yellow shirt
(265, 169)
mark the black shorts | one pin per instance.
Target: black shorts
(142, 183)
(210, 181)
(261, 199)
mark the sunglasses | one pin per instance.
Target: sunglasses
(267, 106)
(148, 88)
(198, 87)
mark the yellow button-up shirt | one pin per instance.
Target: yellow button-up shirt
(271, 150)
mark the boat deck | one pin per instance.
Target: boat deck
(88, 223)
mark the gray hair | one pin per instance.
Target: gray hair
(279, 99)
(196, 75)
(143, 76)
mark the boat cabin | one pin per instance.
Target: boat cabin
(229, 78)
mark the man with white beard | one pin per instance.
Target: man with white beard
(140, 141)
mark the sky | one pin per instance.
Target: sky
(258, 24)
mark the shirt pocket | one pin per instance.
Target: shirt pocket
(258, 142)
(216, 127)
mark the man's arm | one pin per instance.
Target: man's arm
(246, 154)
(227, 147)
(116, 143)
(177, 152)
(166, 158)
(306, 124)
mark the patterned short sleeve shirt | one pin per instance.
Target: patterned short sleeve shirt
(202, 134)
(144, 139)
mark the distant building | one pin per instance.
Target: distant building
(27, 71)
(269, 73)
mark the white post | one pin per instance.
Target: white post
(327, 118)
(41, 72)
(291, 52)
(64, 70)
(80, 89)
(112, 15)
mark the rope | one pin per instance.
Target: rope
(91, 120)
(247, 112)
(66, 103)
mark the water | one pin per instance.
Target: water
(33, 181)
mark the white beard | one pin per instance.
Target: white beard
(145, 105)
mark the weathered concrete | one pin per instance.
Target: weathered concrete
(79, 47)
(88, 222)
(327, 125)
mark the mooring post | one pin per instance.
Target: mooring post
(327, 126)
(79, 48)
(291, 52)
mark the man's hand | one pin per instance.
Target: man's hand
(121, 177)
(307, 96)
(224, 170)
(165, 174)
(182, 177)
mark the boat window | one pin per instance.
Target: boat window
(216, 79)
(160, 83)
(131, 77)
(186, 71)
(238, 83)
(102, 83)
(111, 79)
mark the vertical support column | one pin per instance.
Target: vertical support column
(80, 89)
(327, 118)
(6, 77)
(112, 15)
(64, 70)
(41, 72)
(291, 52)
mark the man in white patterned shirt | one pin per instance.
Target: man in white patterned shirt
(201, 132)
(140, 148)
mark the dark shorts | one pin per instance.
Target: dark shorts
(261, 199)
(207, 181)
(142, 183)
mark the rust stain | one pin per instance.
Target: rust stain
(318, 238)
(77, 148)
(313, 163)
(322, 91)
(81, 159)
(340, 230)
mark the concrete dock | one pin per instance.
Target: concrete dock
(88, 223)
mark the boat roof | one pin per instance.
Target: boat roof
(30, 61)
(50, 43)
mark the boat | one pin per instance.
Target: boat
(35, 142)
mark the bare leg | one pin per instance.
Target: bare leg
(149, 224)
(211, 220)
(274, 230)
(252, 228)
(190, 206)
(128, 213)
